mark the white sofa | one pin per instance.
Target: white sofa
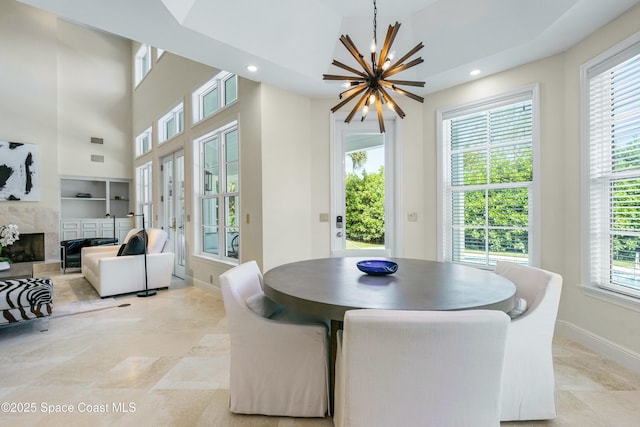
(110, 274)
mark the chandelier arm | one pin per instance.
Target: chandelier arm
(385, 83)
(396, 89)
(388, 41)
(392, 71)
(357, 106)
(394, 106)
(353, 50)
(407, 56)
(349, 98)
(348, 68)
(380, 117)
(336, 77)
(349, 92)
(409, 94)
(348, 43)
(406, 82)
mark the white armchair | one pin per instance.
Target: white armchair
(528, 386)
(110, 274)
(419, 368)
(277, 368)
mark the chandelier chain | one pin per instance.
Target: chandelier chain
(375, 22)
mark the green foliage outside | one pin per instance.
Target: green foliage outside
(365, 206)
(490, 210)
(625, 199)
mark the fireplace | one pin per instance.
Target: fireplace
(29, 248)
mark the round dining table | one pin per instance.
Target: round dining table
(328, 287)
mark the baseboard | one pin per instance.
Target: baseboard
(602, 346)
(207, 286)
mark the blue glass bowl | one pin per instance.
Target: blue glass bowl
(377, 267)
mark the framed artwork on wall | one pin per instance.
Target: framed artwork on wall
(19, 172)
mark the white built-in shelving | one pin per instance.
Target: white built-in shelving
(85, 202)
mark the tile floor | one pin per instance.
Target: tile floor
(164, 361)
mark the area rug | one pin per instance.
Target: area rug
(73, 294)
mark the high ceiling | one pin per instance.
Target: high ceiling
(292, 42)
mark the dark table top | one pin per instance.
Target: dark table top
(330, 286)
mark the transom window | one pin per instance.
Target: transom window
(488, 177)
(219, 192)
(142, 63)
(611, 130)
(143, 142)
(171, 124)
(215, 94)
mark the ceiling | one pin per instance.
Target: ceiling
(292, 42)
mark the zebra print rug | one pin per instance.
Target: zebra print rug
(25, 299)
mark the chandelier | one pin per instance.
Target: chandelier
(373, 83)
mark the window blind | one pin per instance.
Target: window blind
(488, 184)
(614, 174)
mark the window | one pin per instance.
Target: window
(488, 178)
(219, 192)
(144, 193)
(171, 123)
(611, 133)
(217, 93)
(143, 142)
(142, 63)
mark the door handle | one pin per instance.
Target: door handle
(339, 234)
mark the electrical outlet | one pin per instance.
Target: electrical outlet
(412, 217)
(324, 217)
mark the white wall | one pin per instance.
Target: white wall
(588, 318)
(94, 100)
(60, 83)
(285, 148)
(173, 79)
(28, 111)
(549, 73)
(599, 323)
(286, 176)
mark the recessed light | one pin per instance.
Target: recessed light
(474, 72)
(252, 68)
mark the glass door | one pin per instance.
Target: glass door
(173, 207)
(363, 190)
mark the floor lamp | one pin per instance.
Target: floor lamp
(147, 292)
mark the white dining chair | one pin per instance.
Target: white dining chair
(277, 367)
(419, 368)
(528, 385)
